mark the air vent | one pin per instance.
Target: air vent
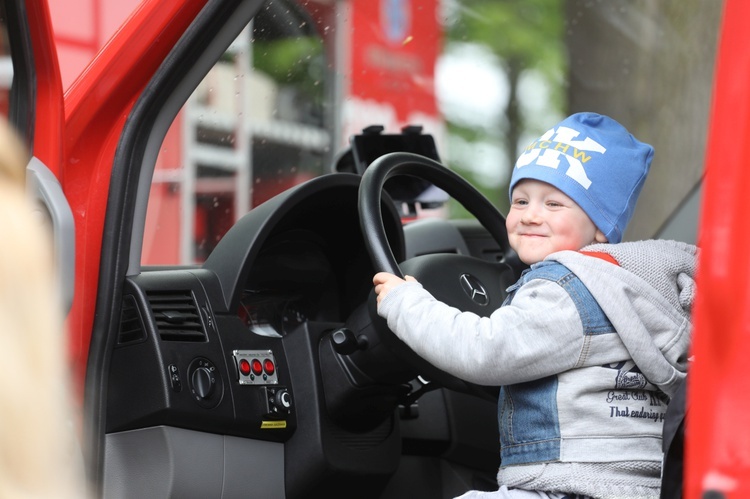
(176, 315)
(131, 325)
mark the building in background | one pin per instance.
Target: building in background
(277, 110)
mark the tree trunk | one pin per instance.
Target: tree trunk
(648, 65)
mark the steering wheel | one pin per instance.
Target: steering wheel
(462, 281)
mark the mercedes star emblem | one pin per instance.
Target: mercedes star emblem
(473, 287)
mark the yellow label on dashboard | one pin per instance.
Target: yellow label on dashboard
(271, 425)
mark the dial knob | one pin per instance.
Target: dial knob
(203, 383)
(283, 399)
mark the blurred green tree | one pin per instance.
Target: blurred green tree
(525, 36)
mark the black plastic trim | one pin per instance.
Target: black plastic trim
(23, 88)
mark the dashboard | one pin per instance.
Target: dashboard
(189, 339)
(238, 360)
(292, 281)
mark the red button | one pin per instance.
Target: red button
(269, 367)
(257, 367)
(244, 367)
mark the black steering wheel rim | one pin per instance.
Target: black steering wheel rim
(440, 273)
(403, 163)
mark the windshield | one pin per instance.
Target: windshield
(482, 77)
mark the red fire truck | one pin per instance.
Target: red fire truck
(195, 158)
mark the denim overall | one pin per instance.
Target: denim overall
(527, 412)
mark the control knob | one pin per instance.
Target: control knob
(283, 399)
(203, 383)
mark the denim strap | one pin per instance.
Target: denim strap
(527, 412)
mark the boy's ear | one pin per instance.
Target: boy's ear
(599, 237)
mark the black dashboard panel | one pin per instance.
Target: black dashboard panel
(238, 359)
(207, 348)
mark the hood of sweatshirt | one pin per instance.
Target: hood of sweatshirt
(648, 298)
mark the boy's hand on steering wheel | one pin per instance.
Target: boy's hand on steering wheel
(385, 281)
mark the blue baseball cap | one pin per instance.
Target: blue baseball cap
(596, 162)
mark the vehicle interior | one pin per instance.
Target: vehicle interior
(263, 370)
(237, 351)
(261, 367)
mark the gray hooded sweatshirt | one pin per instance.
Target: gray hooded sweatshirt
(607, 392)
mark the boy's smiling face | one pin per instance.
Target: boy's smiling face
(543, 220)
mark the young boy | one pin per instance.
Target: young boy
(592, 340)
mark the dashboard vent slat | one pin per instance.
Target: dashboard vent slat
(131, 325)
(176, 315)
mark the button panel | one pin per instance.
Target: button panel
(256, 367)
